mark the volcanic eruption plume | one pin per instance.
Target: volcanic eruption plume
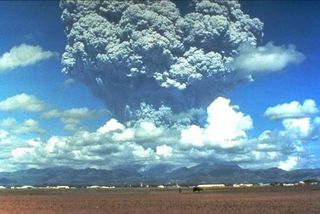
(148, 53)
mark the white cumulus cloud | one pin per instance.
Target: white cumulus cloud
(226, 128)
(23, 102)
(4, 137)
(27, 126)
(224, 137)
(111, 125)
(164, 151)
(301, 125)
(21, 152)
(292, 110)
(23, 55)
(289, 164)
(268, 58)
(71, 118)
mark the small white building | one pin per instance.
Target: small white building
(26, 187)
(93, 187)
(161, 186)
(3, 187)
(62, 187)
(263, 184)
(211, 185)
(246, 185)
(288, 184)
(242, 185)
(100, 187)
(107, 187)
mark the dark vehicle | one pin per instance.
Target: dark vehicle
(197, 189)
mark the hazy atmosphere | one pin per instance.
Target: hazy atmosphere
(145, 83)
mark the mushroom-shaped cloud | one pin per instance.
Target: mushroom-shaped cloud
(133, 52)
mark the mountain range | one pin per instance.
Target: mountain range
(224, 172)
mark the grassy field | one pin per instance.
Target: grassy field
(138, 200)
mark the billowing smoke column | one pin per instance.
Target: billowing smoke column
(133, 52)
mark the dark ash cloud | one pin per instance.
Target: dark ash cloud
(130, 52)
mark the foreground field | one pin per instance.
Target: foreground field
(228, 200)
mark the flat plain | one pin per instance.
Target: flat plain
(304, 199)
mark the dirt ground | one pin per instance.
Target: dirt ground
(228, 200)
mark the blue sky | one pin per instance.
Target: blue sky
(71, 111)
(285, 22)
(38, 23)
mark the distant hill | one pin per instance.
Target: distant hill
(224, 172)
